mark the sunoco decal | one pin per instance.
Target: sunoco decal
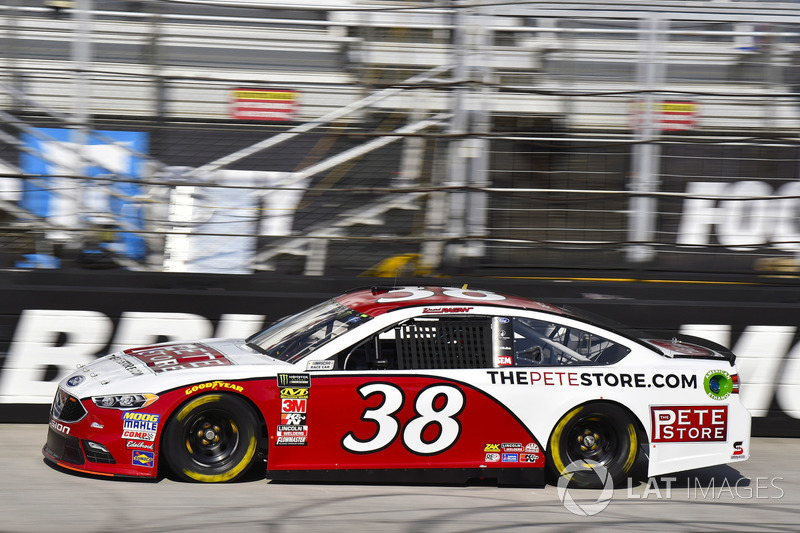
(141, 458)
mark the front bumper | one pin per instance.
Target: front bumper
(87, 439)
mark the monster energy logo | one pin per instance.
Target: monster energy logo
(294, 380)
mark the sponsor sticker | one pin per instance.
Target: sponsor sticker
(491, 448)
(738, 450)
(528, 458)
(293, 419)
(504, 360)
(287, 392)
(213, 385)
(512, 447)
(293, 405)
(492, 457)
(320, 365)
(531, 447)
(290, 441)
(700, 423)
(294, 380)
(562, 378)
(718, 384)
(139, 426)
(142, 458)
(510, 458)
(292, 431)
(138, 445)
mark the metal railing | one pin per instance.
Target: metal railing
(498, 137)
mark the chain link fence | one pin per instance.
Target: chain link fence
(395, 138)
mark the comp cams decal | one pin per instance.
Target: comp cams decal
(591, 379)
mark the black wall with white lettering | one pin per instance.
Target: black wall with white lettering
(43, 323)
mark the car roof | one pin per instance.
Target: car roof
(376, 301)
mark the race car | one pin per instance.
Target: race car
(416, 384)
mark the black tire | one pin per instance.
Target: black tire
(212, 438)
(594, 434)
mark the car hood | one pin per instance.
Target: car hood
(167, 363)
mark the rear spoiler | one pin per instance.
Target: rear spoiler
(705, 343)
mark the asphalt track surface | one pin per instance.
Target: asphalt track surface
(761, 494)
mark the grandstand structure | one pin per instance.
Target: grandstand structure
(394, 138)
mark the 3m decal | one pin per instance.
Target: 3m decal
(293, 406)
(213, 385)
(435, 405)
(701, 423)
(591, 379)
(294, 380)
(287, 392)
(141, 458)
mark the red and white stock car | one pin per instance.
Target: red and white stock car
(432, 384)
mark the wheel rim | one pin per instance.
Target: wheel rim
(592, 438)
(211, 438)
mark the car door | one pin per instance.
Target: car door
(407, 400)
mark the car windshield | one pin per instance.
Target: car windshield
(294, 337)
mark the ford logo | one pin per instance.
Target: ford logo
(76, 380)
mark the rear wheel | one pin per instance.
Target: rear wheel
(212, 439)
(591, 442)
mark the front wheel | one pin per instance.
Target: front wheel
(212, 439)
(591, 442)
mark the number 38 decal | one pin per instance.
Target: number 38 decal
(451, 402)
